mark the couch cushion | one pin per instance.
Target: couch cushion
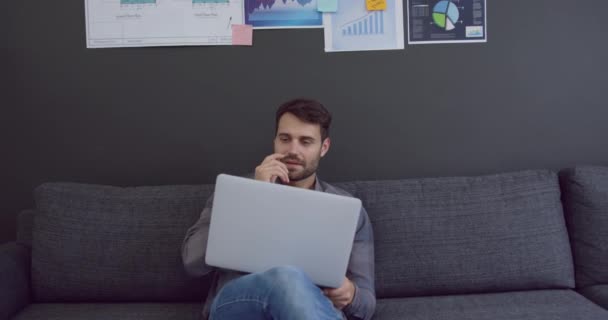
(105, 311)
(585, 198)
(467, 234)
(597, 294)
(102, 243)
(533, 305)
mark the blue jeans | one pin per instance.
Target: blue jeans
(280, 293)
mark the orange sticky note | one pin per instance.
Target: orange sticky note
(374, 5)
(242, 35)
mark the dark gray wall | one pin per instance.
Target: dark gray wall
(532, 97)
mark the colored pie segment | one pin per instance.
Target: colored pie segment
(445, 15)
(439, 19)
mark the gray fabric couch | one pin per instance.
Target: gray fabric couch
(522, 245)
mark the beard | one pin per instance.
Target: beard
(307, 170)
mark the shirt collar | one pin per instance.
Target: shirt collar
(318, 186)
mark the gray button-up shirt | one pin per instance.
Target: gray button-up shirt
(360, 266)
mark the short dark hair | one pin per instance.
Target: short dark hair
(306, 110)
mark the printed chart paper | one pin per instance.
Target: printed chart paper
(447, 21)
(354, 28)
(145, 23)
(283, 14)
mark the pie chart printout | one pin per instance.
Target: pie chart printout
(445, 15)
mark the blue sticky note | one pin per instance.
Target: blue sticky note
(327, 5)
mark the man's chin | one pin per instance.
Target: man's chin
(299, 176)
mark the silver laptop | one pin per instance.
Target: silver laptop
(258, 225)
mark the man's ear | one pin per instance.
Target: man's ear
(325, 146)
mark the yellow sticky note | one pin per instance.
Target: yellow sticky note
(242, 34)
(373, 5)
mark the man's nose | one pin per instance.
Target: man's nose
(293, 148)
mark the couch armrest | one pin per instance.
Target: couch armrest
(25, 224)
(15, 262)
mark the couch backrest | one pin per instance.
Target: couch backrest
(102, 243)
(432, 236)
(585, 198)
(467, 234)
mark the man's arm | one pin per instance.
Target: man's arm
(195, 244)
(361, 271)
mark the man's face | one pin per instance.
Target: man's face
(301, 143)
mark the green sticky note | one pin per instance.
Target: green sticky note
(327, 5)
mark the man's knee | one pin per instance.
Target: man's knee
(295, 296)
(286, 275)
(290, 284)
(284, 279)
(286, 291)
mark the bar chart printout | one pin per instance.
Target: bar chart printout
(372, 23)
(353, 28)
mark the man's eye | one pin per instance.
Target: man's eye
(284, 139)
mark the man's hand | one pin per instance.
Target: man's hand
(271, 168)
(343, 296)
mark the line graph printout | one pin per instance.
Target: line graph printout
(354, 28)
(148, 23)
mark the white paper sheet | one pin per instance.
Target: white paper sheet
(354, 28)
(145, 23)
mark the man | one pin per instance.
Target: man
(301, 140)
